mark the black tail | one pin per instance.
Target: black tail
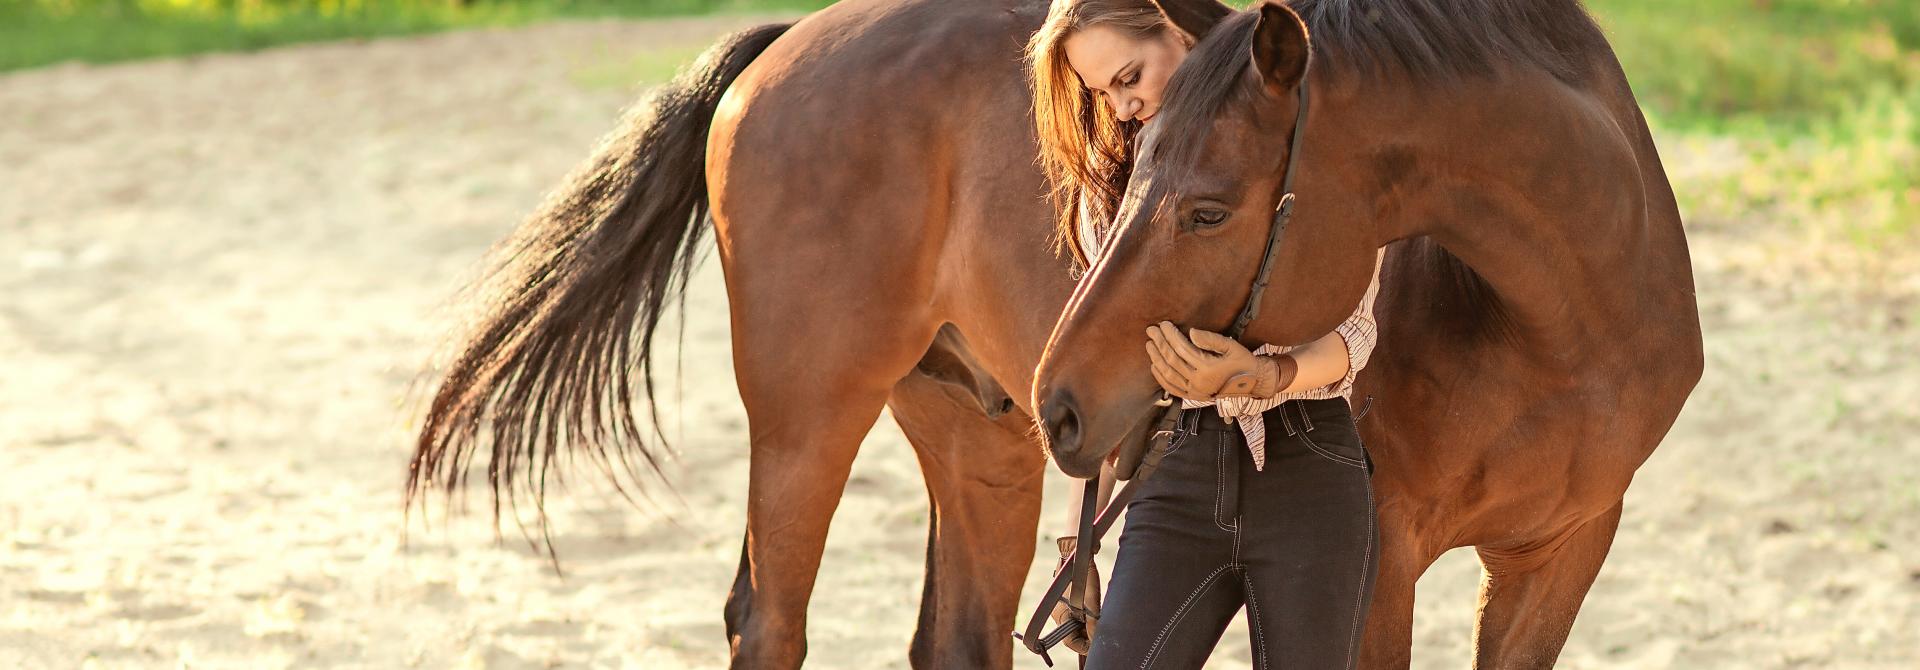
(574, 297)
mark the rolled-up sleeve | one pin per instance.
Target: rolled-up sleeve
(1359, 332)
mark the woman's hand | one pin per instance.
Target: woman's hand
(1211, 365)
(1089, 617)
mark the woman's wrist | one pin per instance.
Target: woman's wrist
(1067, 544)
(1277, 372)
(1269, 377)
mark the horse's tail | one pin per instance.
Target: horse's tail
(575, 295)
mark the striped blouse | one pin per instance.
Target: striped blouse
(1358, 332)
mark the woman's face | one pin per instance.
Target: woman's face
(1131, 72)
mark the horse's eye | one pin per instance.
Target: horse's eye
(1208, 218)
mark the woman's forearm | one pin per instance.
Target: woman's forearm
(1321, 362)
(1077, 491)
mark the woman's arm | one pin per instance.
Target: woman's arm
(1077, 491)
(1089, 615)
(1319, 363)
(1204, 365)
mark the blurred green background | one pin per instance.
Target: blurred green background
(1817, 98)
(39, 32)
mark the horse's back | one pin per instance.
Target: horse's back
(850, 119)
(892, 142)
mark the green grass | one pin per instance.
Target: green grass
(35, 33)
(1731, 65)
(1821, 96)
(652, 66)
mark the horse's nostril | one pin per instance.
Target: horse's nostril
(1062, 423)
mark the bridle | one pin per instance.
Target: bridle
(1168, 433)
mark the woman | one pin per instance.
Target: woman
(1270, 504)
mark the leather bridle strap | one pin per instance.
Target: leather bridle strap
(1282, 213)
(1168, 425)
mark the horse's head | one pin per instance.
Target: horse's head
(1192, 231)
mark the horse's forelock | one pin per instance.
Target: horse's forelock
(1211, 77)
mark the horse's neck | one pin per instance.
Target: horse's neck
(1537, 191)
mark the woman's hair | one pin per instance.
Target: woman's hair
(1084, 151)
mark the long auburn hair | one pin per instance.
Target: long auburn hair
(1085, 152)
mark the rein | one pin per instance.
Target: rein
(1168, 433)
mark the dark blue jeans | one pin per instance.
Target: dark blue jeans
(1294, 542)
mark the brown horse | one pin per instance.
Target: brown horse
(1538, 333)
(868, 172)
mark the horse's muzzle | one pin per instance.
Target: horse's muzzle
(1060, 420)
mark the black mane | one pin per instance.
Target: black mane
(1450, 38)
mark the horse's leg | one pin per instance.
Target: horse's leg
(1387, 642)
(847, 230)
(984, 478)
(1529, 595)
(812, 387)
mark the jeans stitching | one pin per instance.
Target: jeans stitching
(1221, 446)
(1359, 595)
(1324, 452)
(1304, 421)
(1235, 555)
(1253, 609)
(1366, 460)
(1286, 422)
(1153, 652)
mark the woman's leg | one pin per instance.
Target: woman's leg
(1175, 586)
(1310, 547)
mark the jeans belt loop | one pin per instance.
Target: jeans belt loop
(1364, 408)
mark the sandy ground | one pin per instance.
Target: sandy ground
(219, 276)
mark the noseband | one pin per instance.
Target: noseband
(1168, 433)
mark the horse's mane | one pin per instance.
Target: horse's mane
(1428, 39)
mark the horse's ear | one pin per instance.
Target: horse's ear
(1193, 17)
(1280, 47)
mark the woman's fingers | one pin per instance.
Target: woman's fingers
(1161, 379)
(1158, 338)
(1214, 342)
(1160, 375)
(1181, 348)
(1173, 380)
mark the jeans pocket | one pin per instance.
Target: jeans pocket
(1336, 452)
(1333, 446)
